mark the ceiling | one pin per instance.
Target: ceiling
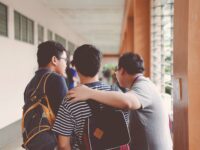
(97, 21)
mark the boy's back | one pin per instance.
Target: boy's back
(71, 116)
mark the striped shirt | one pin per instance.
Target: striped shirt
(71, 117)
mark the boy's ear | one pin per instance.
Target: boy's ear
(123, 71)
(54, 60)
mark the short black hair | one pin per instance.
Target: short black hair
(48, 49)
(131, 63)
(87, 60)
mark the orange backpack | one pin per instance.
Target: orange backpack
(37, 113)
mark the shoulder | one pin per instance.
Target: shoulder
(80, 108)
(30, 87)
(56, 85)
(56, 76)
(143, 83)
(145, 91)
(56, 79)
(101, 86)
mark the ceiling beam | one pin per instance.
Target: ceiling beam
(111, 55)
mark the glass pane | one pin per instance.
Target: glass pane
(50, 35)
(40, 34)
(60, 39)
(3, 20)
(17, 26)
(71, 47)
(24, 28)
(30, 31)
(162, 40)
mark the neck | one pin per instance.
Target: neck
(85, 80)
(133, 79)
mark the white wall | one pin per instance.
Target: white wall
(18, 59)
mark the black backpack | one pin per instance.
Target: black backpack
(105, 129)
(37, 116)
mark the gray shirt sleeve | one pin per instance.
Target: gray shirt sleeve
(144, 95)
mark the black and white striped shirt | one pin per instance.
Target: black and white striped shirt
(71, 117)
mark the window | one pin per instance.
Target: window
(162, 44)
(40, 34)
(3, 20)
(71, 47)
(24, 28)
(50, 35)
(60, 39)
(162, 48)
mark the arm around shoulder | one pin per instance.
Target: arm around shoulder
(117, 99)
(112, 98)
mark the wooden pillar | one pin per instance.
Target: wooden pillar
(186, 74)
(129, 34)
(142, 31)
(136, 30)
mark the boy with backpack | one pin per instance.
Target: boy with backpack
(42, 97)
(71, 118)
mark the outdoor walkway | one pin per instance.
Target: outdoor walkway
(10, 137)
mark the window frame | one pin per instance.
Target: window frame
(25, 31)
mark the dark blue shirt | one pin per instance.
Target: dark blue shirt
(56, 88)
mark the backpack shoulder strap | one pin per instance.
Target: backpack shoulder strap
(94, 106)
(40, 89)
(41, 86)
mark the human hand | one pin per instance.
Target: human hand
(79, 93)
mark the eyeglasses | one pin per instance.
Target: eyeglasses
(65, 59)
